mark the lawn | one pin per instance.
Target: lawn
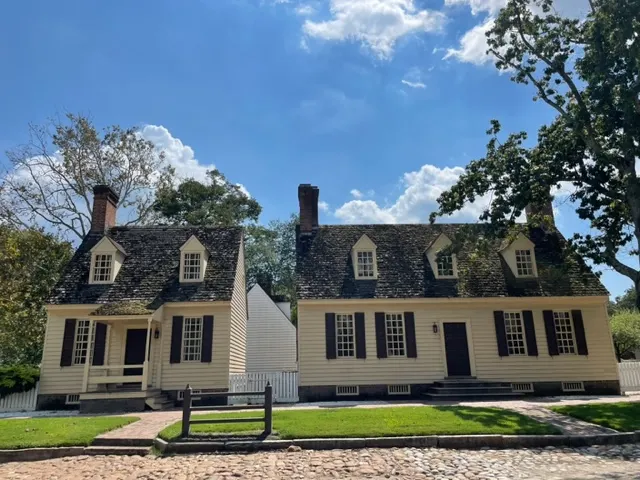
(56, 432)
(375, 422)
(624, 417)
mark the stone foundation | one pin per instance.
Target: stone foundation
(112, 405)
(53, 402)
(200, 401)
(591, 387)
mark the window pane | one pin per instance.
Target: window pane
(102, 268)
(564, 332)
(524, 263)
(395, 334)
(515, 333)
(191, 266)
(365, 264)
(81, 344)
(192, 339)
(445, 265)
(345, 336)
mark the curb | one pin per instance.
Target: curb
(462, 442)
(35, 454)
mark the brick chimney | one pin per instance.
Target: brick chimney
(105, 206)
(308, 197)
(546, 210)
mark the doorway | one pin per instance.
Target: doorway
(457, 349)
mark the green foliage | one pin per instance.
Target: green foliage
(626, 301)
(271, 257)
(215, 203)
(53, 175)
(18, 378)
(31, 262)
(377, 422)
(587, 72)
(56, 432)
(625, 328)
(623, 417)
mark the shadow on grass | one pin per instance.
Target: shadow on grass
(624, 417)
(496, 417)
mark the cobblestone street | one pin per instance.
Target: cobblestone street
(620, 462)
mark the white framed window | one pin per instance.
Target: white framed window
(514, 329)
(191, 266)
(564, 333)
(192, 339)
(102, 268)
(345, 335)
(347, 390)
(524, 263)
(365, 264)
(82, 343)
(445, 265)
(394, 323)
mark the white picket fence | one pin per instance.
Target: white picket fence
(20, 402)
(285, 386)
(629, 376)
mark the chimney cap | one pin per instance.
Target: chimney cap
(107, 191)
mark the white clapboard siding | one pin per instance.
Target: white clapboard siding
(20, 402)
(629, 376)
(271, 337)
(285, 386)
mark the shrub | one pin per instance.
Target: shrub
(18, 378)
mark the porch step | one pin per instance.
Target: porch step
(159, 401)
(470, 389)
(121, 442)
(94, 450)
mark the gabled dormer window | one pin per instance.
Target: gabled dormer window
(442, 259)
(521, 258)
(193, 261)
(363, 255)
(107, 257)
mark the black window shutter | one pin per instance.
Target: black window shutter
(100, 344)
(501, 333)
(410, 332)
(550, 329)
(530, 333)
(361, 346)
(330, 335)
(207, 338)
(176, 340)
(381, 335)
(66, 357)
(581, 338)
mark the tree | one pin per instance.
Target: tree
(626, 301)
(587, 71)
(31, 262)
(271, 258)
(625, 328)
(215, 203)
(52, 177)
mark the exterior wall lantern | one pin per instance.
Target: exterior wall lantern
(156, 333)
(435, 327)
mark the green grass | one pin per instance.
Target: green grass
(375, 422)
(624, 417)
(56, 432)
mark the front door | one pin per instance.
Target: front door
(457, 349)
(134, 350)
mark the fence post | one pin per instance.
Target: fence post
(268, 409)
(186, 412)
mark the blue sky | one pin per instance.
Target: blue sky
(378, 102)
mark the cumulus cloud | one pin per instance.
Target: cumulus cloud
(418, 199)
(473, 45)
(323, 206)
(356, 193)
(478, 6)
(377, 24)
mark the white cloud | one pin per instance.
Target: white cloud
(414, 84)
(181, 156)
(323, 206)
(418, 199)
(477, 6)
(356, 193)
(377, 24)
(473, 45)
(305, 10)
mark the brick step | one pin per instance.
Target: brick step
(470, 390)
(94, 450)
(466, 397)
(121, 442)
(470, 384)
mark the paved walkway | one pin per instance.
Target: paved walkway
(593, 463)
(151, 423)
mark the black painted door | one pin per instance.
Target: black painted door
(134, 350)
(457, 350)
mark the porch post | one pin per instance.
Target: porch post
(87, 359)
(145, 368)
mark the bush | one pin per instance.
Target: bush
(18, 378)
